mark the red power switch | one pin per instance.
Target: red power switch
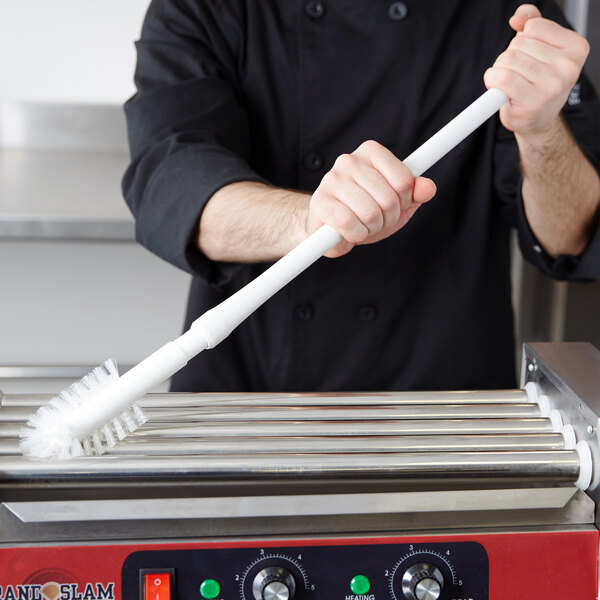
(157, 586)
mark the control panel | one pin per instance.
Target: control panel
(371, 571)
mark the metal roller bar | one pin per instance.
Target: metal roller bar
(10, 430)
(340, 413)
(325, 429)
(465, 443)
(556, 466)
(8, 447)
(336, 429)
(180, 400)
(315, 445)
(21, 400)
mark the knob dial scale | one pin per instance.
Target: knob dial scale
(422, 574)
(273, 577)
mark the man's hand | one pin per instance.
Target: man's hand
(561, 189)
(367, 196)
(537, 72)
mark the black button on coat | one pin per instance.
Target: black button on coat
(244, 90)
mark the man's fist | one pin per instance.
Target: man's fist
(367, 196)
(537, 71)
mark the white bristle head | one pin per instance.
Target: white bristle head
(97, 444)
(109, 437)
(47, 436)
(118, 428)
(128, 421)
(138, 415)
(87, 446)
(76, 449)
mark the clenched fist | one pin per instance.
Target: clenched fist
(367, 196)
(537, 71)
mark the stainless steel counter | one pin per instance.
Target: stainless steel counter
(60, 172)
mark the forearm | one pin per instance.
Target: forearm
(561, 191)
(252, 222)
(367, 196)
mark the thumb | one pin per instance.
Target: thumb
(522, 15)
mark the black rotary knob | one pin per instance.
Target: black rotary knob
(274, 583)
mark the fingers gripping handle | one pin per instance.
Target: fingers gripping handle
(216, 324)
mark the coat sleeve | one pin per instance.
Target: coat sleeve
(582, 116)
(188, 129)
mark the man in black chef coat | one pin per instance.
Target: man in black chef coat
(248, 132)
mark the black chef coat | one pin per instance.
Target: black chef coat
(274, 91)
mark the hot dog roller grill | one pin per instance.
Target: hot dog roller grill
(378, 496)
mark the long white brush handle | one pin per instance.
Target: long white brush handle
(455, 131)
(216, 324)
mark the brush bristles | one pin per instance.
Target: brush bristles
(46, 435)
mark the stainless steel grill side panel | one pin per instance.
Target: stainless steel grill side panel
(569, 375)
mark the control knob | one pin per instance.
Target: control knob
(274, 583)
(422, 582)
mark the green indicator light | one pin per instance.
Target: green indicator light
(360, 585)
(210, 589)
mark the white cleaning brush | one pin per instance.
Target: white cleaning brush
(46, 434)
(93, 413)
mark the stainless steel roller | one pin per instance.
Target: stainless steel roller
(179, 400)
(429, 437)
(10, 430)
(557, 466)
(298, 445)
(464, 443)
(349, 428)
(338, 413)
(342, 413)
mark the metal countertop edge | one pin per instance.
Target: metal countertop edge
(66, 229)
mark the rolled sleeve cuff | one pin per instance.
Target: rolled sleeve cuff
(174, 199)
(584, 267)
